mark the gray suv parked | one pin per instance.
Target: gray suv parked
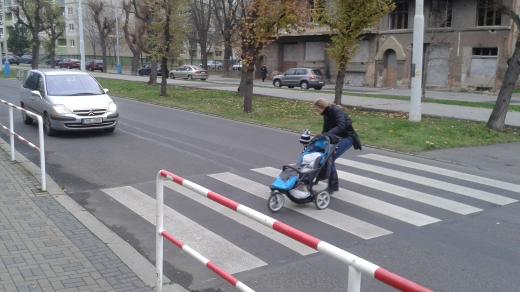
(303, 77)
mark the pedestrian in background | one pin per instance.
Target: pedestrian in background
(263, 72)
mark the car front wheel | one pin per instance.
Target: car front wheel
(277, 83)
(47, 127)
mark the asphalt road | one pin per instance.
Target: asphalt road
(474, 251)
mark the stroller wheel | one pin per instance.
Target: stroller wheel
(275, 202)
(322, 200)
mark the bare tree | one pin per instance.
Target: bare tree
(201, 13)
(166, 33)
(226, 20)
(29, 13)
(143, 13)
(92, 34)
(54, 30)
(104, 25)
(131, 34)
(498, 115)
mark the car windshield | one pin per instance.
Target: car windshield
(62, 85)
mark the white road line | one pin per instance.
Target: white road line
(241, 219)
(230, 257)
(369, 203)
(346, 223)
(428, 199)
(441, 185)
(445, 172)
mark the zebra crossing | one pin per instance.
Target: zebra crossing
(444, 195)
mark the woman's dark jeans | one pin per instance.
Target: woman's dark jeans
(342, 147)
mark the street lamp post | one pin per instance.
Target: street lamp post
(417, 62)
(6, 65)
(81, 39)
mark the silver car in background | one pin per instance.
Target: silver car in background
(68, 100)
(189, 72)
(303, 77)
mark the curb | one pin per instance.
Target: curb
(128, 255)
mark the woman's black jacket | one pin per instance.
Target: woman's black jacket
(337, 123)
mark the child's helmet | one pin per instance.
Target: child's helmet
(305, 138)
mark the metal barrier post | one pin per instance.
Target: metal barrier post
(159, 197)
(11, 133)
(42, 153)
(354, 279)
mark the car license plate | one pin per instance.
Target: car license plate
(93, 121)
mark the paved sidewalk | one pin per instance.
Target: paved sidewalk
(44, 248)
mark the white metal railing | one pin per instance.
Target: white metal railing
(13, 134)
(356, 265)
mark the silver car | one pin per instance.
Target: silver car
(68, 100)
(189, 72)
(303, 77)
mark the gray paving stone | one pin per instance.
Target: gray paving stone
(44, 248)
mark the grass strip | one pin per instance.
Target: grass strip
(381, 129)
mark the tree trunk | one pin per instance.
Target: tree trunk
(204, 53)
(164, 71)
(340, 81)
(104, 53)
(52, 56)
(35, 52)
(246, 86)
(153, 72)
(228, 51)
(498, 116)
(135, 63)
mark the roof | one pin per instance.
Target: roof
(54, 72)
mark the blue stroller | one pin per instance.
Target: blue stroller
(297, 181)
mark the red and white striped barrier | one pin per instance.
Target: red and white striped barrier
(356, 264)
(160, 233)
(13, 134)
(216, 269)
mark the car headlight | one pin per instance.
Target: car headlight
(60, 109)
(112, 107)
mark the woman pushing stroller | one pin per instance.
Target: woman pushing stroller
(316, 163)
(337, 125)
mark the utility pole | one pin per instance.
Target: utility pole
(81, 39)
(417, 62)
(119, 68)
(3, 37)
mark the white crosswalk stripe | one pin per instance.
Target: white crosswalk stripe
(341, 221)
(403, 192)
(441, 185)
(445, 172)
(230, 257)
(369, 203)
(245, 221)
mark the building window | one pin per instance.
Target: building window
(440, 13)
(218, 53)
(70, 10)
(487, 13)
(72, 44)
(62, 42)
(398, 19)
(71, 26)
(490, 52)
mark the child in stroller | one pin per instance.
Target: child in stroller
(297, 181)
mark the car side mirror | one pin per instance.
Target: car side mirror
(36, 93)
(105, 90)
